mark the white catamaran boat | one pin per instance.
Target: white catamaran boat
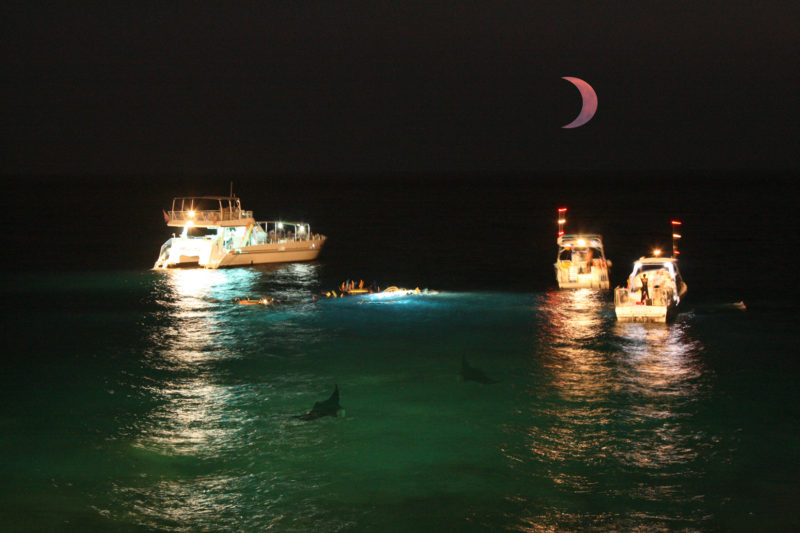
(216, 232)
(581, 261)
(655, 287)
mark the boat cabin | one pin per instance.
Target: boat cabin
(580, 251)
(662, 277)
(581, 262)
(655, 267)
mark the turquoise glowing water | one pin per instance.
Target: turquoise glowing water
(141, 400)
(150, 400)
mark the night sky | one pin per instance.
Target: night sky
(144, 88)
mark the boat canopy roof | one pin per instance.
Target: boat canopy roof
(180, 203)
(207, 197)
(657, 260)
(648, 264)
(581, 240)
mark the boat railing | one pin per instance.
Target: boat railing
(209, 216)
(163, 254)
(281, 232)
(275, 239)
(621, 296)
(662, 296)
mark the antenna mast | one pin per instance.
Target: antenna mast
(562, 219)
(675, 237)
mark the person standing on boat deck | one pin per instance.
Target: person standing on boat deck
(645, 294)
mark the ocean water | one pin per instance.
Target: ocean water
(142, 400)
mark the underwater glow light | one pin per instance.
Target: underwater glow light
(384, 295)
(400, 293)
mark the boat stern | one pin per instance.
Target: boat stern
(641, 313)
(570, 276)
(629, 309)
(185, 252)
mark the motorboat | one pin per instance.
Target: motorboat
(581, 261)
(215, 232)
(653, 292)
(654, 288)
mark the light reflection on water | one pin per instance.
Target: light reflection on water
(662, 378)
(571, 326)
(614, 398)
(598, 427)
(199, 447)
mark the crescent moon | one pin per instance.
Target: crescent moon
(589, 98)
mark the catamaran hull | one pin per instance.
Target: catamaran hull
(258, 255)
(205, 253)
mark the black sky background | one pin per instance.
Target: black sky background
(147, 88)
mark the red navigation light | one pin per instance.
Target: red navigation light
(676, 223)
(562, 209)
(560, 233)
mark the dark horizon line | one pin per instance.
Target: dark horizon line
(433, 175)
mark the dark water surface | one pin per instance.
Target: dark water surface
(134, 399)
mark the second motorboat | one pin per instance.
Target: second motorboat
(581, 261)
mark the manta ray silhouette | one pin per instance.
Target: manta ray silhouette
(470, 373)
(329, 407)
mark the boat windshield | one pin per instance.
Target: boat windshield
(205, 204)
(640, 268)
(200, 231)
